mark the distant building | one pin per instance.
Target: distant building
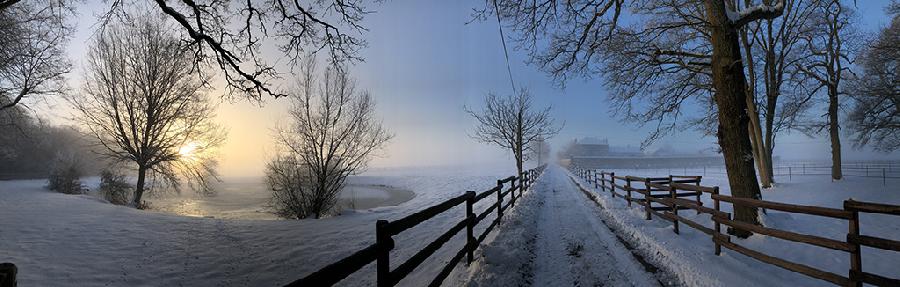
(589, 147)
(597, 153)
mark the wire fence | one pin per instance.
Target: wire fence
(884, 170)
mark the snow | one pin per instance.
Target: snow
(736, 17)
(553, 236)
(690, 255)
(59, 240)
(556, 238)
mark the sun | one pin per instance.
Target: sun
(188, 150)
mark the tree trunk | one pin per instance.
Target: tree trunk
(755, 130)
(520, 157)
(139, 187)
(730, 86)
(760, 155)
(834, 132)
(772, 93)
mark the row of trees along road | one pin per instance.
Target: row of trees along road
(741, 60)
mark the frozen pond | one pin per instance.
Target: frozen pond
(248, 198)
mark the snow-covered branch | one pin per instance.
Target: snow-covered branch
(750, 14)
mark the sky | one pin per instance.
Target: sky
(423, 65)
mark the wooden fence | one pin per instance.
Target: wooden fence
(606, 181)
(379, 252)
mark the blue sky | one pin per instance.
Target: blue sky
(424, 64)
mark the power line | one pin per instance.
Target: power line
(505, 50)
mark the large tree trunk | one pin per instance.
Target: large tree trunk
(730, 86)
(834, 132)
(139, 187)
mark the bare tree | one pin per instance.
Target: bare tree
(32, 56)
(231, 35)
(830, 48)
(333, 134)
(144, 105)
(672, 41)
(512, 122)
(772, 49)
(876, 117)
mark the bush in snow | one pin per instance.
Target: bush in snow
(114, 187)
(292, 189)
(65, 174)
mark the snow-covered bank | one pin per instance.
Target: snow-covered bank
(64, 240)
(248, 198)
(690, 255)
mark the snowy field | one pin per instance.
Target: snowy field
(690, 255)
(555, 236)
(64, 240)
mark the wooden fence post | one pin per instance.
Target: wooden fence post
(699, 193)
(8, 272)
(647, 200)
(628, 190)
(855, 252)
(470, 226)
(523, 182)
(512, 191)
(612, 184)
(672, 192)
(499, 200)
(385, 244)
(602, 181)
(718, 226)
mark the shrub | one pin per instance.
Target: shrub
(114, 187)
(65, 174)
(294, 192)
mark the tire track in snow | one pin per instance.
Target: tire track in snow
(575, 247)
(554, 238)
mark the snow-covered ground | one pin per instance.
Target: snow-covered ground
(690, 255)
(64, 240)
(555, 237)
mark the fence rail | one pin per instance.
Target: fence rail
(379, 252)
(606, 181)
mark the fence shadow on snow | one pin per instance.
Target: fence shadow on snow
(379, 252)
(669, 192)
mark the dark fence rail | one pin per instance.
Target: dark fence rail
(385, 230)
(606, 181)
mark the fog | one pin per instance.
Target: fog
(424, 64)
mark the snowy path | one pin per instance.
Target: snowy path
(556, 238)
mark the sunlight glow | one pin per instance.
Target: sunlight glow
(188, 150)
